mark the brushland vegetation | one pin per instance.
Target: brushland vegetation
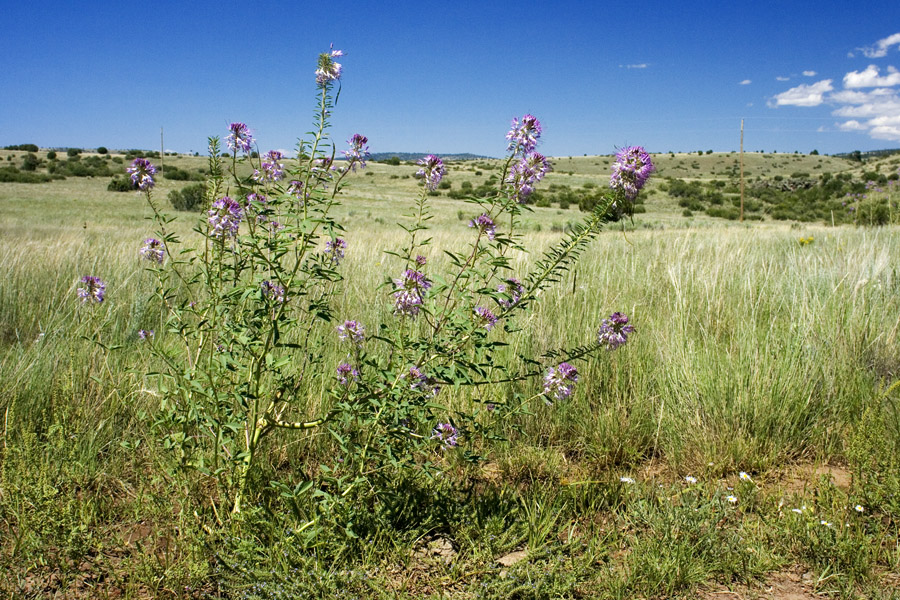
(768, 347)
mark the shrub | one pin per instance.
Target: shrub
(120, 184)
(73, 152)
(102, 150)
(13, 175)
(30, 162)
(189, 198)
(51, 155)
(252, 308)
(23, 147)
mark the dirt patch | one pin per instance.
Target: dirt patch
(796, 584)
(800, 479)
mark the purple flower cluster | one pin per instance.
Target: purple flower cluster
(295, 188)
(273, 291)
(153, 250)
(409, 292)
(346, 373)
(525, 173)
(421, 382)
(446, 434)
(560, 382)
(523, 136)
(272, 170)
(353, 331)
(93, 290)
(225, 218)
(144, 334)
(432, 171)
(485, 224)
(335, 249)
(514, 290)
(421, 260)
(358, 152)
(254, 199)
(239, 138)
(485, 317)
(328, 70)
(614, 331)
(631, 171)
(142, 173)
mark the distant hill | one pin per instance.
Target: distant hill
(857, 155)
(378, 156)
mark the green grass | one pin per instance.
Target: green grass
(752, 353)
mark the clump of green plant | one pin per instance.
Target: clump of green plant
(189, 198)
(248, 311)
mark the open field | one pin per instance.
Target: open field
(753, 353)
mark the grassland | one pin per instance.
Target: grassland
(753, 353)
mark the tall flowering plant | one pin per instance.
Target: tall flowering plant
(249, 310)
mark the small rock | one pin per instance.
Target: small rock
(512, 558)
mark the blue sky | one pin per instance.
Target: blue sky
(448, 76)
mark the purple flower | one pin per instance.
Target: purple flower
(225, 218)
(523, 136)
(560, 382)
(485, 317)
(408, 295)
(485, 224)
(328, 70)
(514, 290)
(432, 171)
(254, 199)
(295, 188)
(421, 382)
(353, 331)
(142, 173)
(421, 260)
(239, 138)
(358, 151)
(273, 291)
(631, 171)
(614, 331)
(335, 249)
(93, 290)
(523, 175)
(346, 373)
(153, 250)
(272, 170)
(446, 434)
(143, 334)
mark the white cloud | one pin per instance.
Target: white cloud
(803, 95)
(635, 66)
(881, 47)
(871, 78)
(745, 82)
(869, 102)
(809, 73)
(875, 112)
(780, 78)
(851, 126)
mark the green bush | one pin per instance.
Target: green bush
(51, 155)
(102, 150)
(23, 147)
(120, 184)
(190, 198)
(73, 152)
(13, 175)
(31, 162)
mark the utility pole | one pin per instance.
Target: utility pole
(742, 170)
